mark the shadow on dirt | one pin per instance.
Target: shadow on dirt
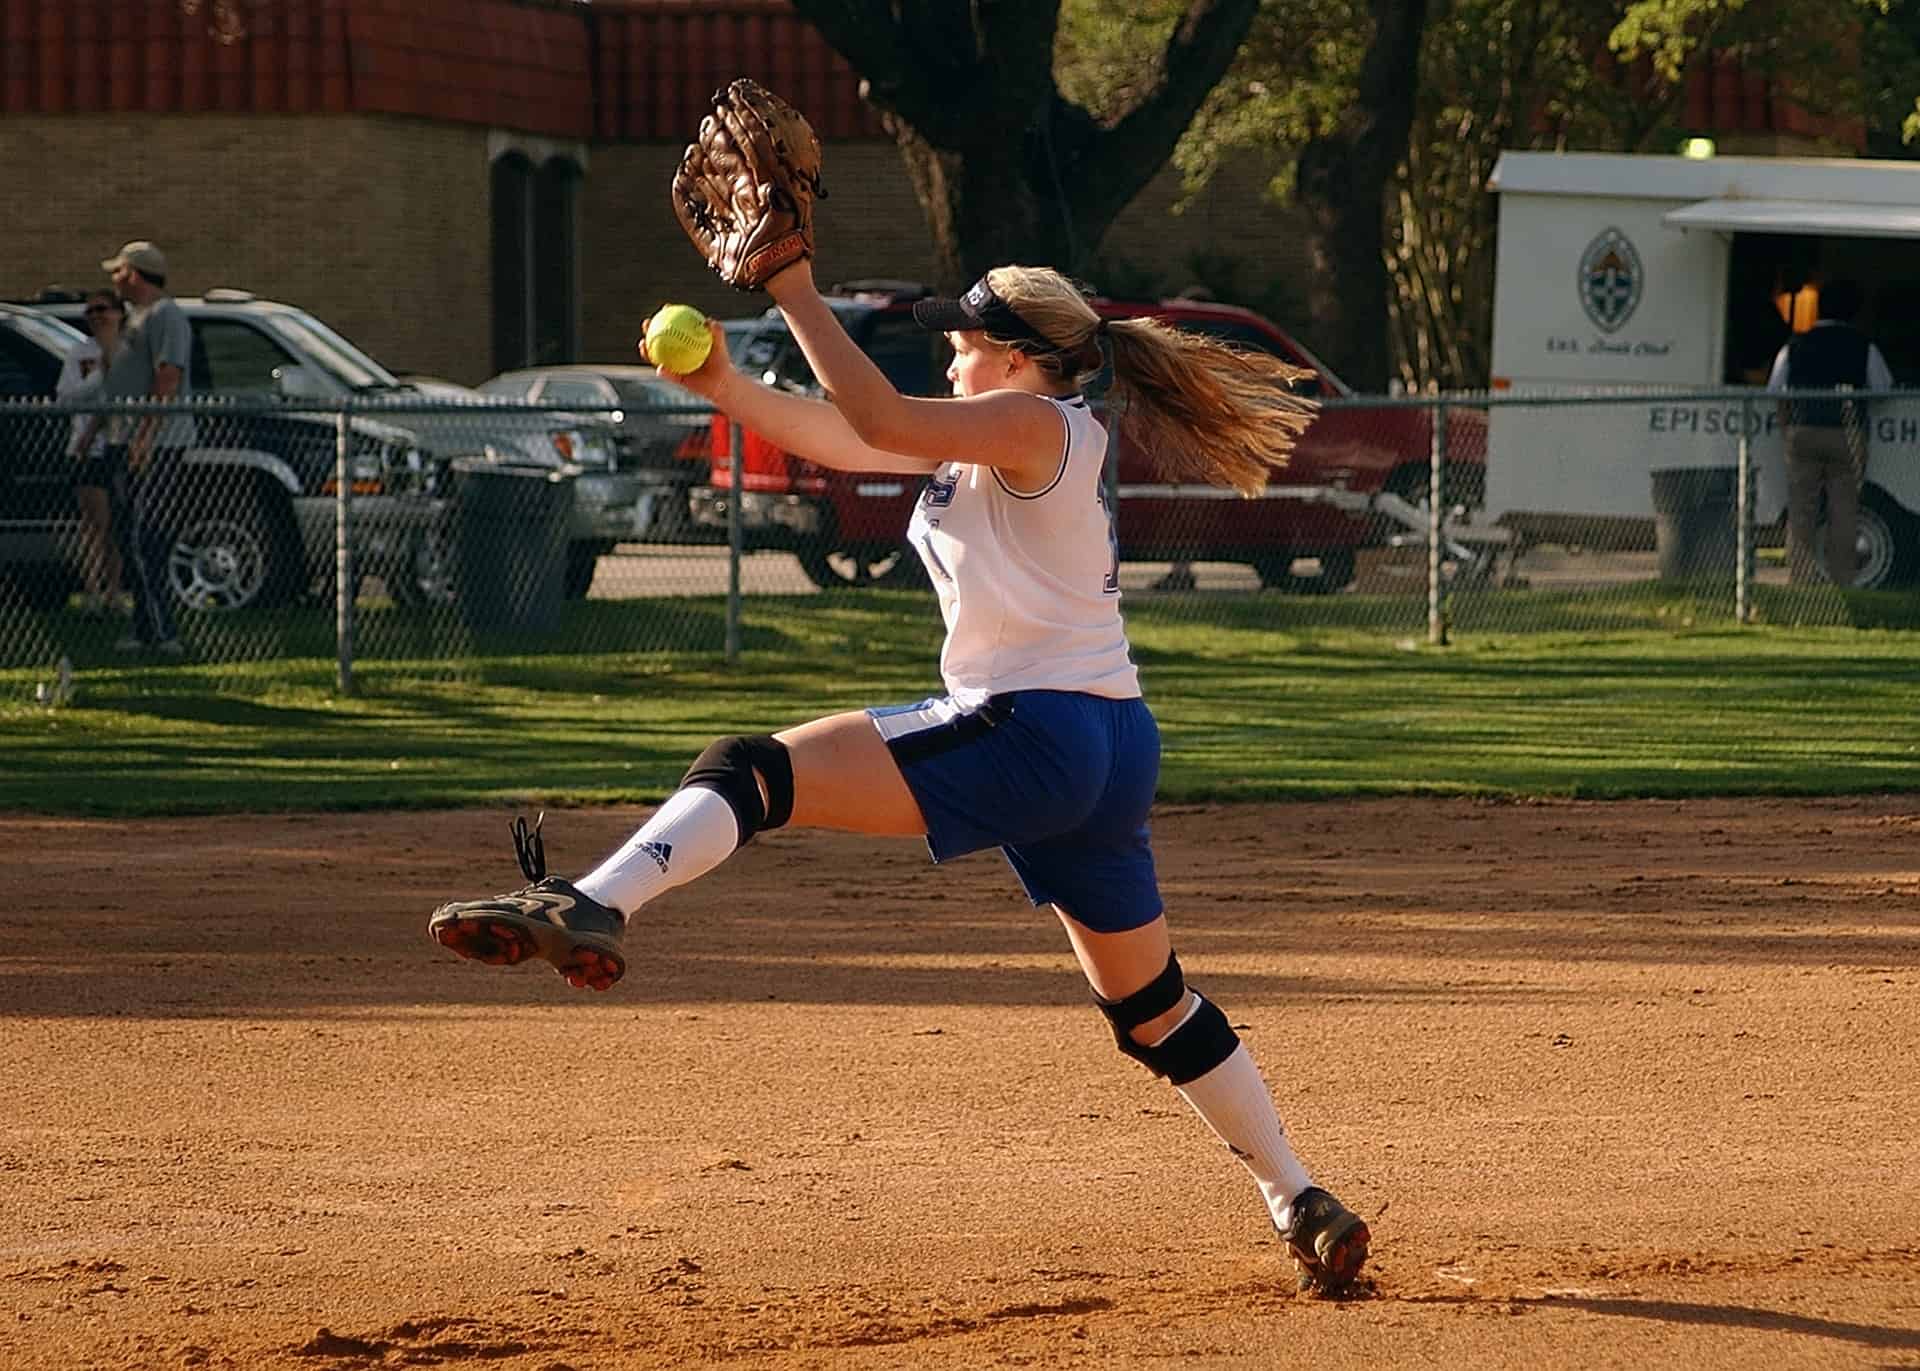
(290, 915)
(1705, 1315)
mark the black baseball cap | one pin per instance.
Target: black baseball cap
(979, 309)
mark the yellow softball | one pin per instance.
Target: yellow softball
(677, 338)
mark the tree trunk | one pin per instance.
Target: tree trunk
(982, 211)
(1006, 170)
(1341, 183)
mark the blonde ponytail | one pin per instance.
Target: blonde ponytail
(1199, 409)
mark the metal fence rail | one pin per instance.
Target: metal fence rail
(397, 530)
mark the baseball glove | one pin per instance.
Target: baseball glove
(745, 191)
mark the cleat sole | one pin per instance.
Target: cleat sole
(587, 960)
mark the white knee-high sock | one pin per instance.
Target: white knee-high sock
(691, 833)
(1234, 1101)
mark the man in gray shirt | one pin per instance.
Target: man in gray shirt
(153, 363)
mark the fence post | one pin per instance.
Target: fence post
(1436, 517)
(1744, 537)
(735, 441)
(343, 547)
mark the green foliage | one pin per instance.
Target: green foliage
(1104, 61)
(1266, 698)
(1496, 74)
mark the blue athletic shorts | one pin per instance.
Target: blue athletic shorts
(1059, 781)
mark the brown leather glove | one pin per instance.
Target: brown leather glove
(745, 191)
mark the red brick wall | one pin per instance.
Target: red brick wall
(659, 61)
(640, 70)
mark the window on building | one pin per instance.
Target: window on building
(536, 313)
(556, 325)
(512, 250)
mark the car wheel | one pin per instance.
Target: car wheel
(1332, 570)
(1884, 540)
(233, 555)
(424, 578)
(41, 587)
(863, 567)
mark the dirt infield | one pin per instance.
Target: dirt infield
(1617, 1085)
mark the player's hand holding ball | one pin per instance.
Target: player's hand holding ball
(677, 340)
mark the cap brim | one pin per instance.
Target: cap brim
(113, 263)
(944, 316)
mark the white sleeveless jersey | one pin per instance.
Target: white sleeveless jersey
(1029, 584)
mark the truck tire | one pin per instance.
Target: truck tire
(424, 577)
(867, 568)
(1886, 538)
(1336, 571)
(40, 587)
(235, 549)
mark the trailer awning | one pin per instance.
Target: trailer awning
(1820, 218)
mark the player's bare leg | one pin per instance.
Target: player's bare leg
(844, 777)
(834, 772)
(1177, 1033)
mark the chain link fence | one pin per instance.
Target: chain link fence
(430, 534)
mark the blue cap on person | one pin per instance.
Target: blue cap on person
(141, 255)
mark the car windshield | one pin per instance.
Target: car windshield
(50, 334)
(314, 342)
(507, 387)
(644, 395)
(908, 354)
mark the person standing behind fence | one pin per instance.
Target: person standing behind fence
(152, 365)
(1826, 439)
(98, 473)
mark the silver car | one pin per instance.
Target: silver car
(244, 345)
(662, 431)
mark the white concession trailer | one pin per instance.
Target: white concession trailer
(1635, 273)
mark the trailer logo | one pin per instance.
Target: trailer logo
(1610, 280)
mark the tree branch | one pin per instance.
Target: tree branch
(1132, 151)
(953, 70)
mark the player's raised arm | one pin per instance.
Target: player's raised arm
(813, 429)
(994, 419)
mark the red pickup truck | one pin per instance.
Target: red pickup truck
(1300, 534)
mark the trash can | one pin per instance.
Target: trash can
(1694, 513)
(510, 544)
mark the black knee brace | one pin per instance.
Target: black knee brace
(1201, 1042)
(728, 769)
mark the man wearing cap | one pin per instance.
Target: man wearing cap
(152, 365)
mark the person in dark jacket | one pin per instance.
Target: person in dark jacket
(1826, 438)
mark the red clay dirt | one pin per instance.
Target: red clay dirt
(1616, 1085)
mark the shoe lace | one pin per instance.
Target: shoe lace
(530, 848)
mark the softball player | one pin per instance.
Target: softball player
(1042, 745)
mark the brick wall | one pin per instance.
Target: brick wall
(378, 225)
(635, 257)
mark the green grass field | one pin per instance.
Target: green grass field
(1660, 702)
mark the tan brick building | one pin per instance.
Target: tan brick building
(453, 183)
(462, 184)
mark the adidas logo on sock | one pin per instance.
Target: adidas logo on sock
(660, 852)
